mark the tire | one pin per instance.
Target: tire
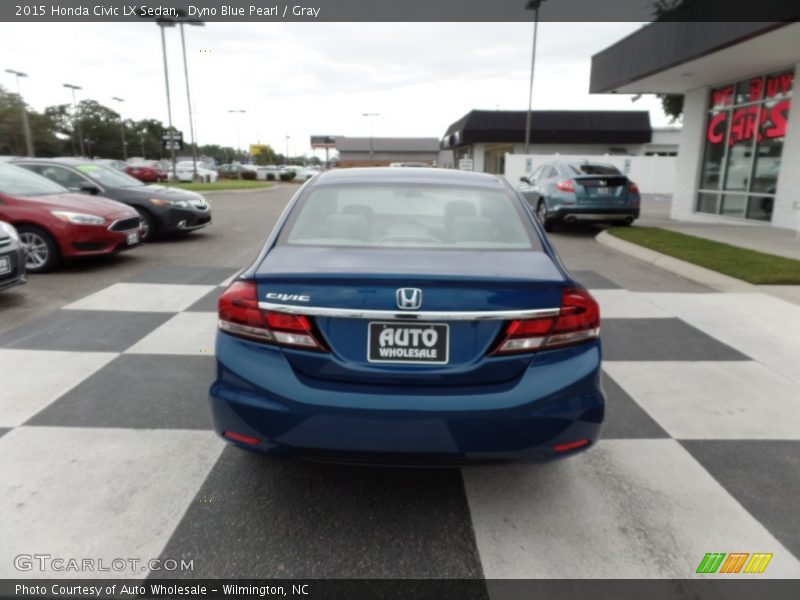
(150, 228)
(541, 214)
(41, 249)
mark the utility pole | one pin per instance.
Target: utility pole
(162, 24)
(25, 125)
(196, 23)
(76, 121)
(534, 6)
(371, 149)
(122, 128)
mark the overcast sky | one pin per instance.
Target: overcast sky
(317, 78)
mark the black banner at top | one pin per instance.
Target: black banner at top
(311, 11)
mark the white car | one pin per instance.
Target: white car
(185, 172)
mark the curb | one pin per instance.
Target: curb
(712, 279)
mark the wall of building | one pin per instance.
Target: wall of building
(690, 157)
(787, 193)
(653, 174)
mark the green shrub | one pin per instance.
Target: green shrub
(249, 175)
(287, 175)
(270, 176)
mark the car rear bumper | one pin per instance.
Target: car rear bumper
(558, 399)
(594, 214)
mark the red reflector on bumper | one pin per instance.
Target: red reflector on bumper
(571, 445)
(238, 437)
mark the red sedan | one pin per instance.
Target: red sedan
(54, 224)
(148, 172)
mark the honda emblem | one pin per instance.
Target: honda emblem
(409, 298)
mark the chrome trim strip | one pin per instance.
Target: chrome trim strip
(424, 315)
(598, 216)
(110, 227)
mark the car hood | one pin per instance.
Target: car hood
(169, 193)
(93, 205)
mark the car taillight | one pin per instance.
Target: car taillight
(578, 321)
(565, 185)
(240, 315)
(633, 188)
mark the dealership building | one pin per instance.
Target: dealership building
(485, 137)
(739, 152)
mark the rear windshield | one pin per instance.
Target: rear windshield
(409, 216)
(587, 169)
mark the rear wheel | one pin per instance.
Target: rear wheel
(41, 250)
(149, 228)
(541, 214)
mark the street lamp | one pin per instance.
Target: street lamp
(75, 118)
(25, 125)
(162, 24)
(196, 23)
(371, 150)
(288, 137)
(237, 112)
(122, 128)
(534, 6)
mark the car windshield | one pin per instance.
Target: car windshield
(589, 169)
(409, 216)
(16, 181)
(109, 177)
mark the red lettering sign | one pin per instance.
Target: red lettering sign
(723, 96)
(760, 121)
(756, 86)
(779, 84)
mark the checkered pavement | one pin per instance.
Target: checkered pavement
(106, 451)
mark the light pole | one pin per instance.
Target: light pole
(371, 150)
(196, 23)
(25, 125)
(534, 6)
(237, 112)
(122, 128)
(288, 137)
(75, 118)
(162, 24)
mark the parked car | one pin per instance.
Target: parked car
(12, 257)
(418, 316)
(300, 173)
(237, 171)
(148, 172)
(580, 191)
(55, 224)
(163, 209)
(185, 171)
(267, 173)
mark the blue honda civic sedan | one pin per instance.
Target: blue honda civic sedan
(408, 316)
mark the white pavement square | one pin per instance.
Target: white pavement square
(186, 333)
(99, 493)
(761, 326)
(713, 400)
(143, 297)
(624, 509)
(622, 304)
(32, 379)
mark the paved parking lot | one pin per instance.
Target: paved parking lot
(106, 448)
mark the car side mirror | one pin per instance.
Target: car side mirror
(524, 179)
(89, 188)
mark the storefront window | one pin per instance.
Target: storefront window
(744, 142)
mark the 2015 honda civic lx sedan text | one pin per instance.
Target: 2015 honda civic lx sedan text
(412, 316)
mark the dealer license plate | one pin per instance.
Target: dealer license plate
(602, 191)
(5, 265)
(420, 343)
(133, 238)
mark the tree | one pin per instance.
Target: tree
(265, 156)
(12, 134)
(672, 104)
